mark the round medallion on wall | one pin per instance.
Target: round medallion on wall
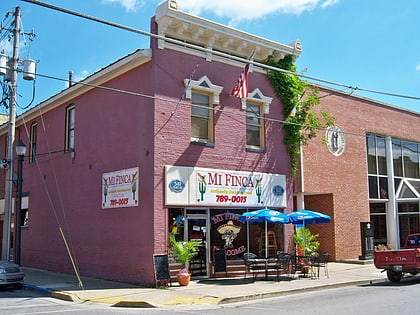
(336, 141)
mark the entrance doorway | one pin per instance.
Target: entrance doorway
(196, 228)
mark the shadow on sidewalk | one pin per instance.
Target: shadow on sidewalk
(241, 281)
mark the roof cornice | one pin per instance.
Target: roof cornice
(176, 24)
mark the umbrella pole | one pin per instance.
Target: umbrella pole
(266, 240)
(247, 236)
(304, 240)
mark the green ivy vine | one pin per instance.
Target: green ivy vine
(299, 99)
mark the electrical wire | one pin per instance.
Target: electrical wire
(215, 52)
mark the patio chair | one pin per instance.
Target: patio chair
(283, 264)
(321, 261)
(250, 266)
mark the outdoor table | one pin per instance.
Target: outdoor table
(264, 264)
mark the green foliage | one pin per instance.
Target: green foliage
(305, 240)
(183, 251)
(298, 98)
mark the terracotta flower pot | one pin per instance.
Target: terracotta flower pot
(183, 279)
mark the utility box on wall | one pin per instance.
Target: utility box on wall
(366, 231)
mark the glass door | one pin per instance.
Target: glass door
(196, 227)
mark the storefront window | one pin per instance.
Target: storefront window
(228, 233)
(238, 238)
(176, 223)
(409, 219)
(378, 219)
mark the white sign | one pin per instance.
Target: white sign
(120, 188)
(213, 187)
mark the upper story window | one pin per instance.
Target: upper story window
(256, 106)
(201, 118)
(32, 144)
(254, 126)
(406, 158)
(203, 95)
(376, 155)
(70, 116)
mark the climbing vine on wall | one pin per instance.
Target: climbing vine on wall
(299, 99)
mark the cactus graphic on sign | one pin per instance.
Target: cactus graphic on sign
(202, 185)
(258, 189)
(134, 185)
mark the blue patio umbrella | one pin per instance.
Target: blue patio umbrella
(264, 215)
(308, 217)
(303, 217)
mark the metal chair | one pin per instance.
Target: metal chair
(250, 266)
(321, 261)
(283, 263)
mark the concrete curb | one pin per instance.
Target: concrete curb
(31, 287)
(294, 291)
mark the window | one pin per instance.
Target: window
(201, 118)
(378, 219)
(411, 159)
(70, 116)
(255, 105)
(376, 158)
(32, 144)
(203, 95)
(254, 126)
(409, 219)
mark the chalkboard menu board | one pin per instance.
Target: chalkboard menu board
(161, 264)
(219, 260)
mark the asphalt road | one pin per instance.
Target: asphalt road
(373, 299)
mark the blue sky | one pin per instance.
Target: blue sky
(371, 44)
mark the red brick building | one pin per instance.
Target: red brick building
(352, 183)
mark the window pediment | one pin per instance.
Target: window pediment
(257, 96)
(203, 84)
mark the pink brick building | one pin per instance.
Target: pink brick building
(156, 144)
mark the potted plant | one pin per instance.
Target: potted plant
(306, 245)
(183, 252)
(306, 242)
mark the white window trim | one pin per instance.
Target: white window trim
(212, 89)
(256, 96)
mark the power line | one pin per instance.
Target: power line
(179, 102)
(218, 53)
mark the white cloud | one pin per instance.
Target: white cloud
(77, 77)
(129, 5)
(81, 75)
(240, 10)
(418, 67)
(329, 3)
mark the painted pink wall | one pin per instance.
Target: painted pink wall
(172, 141)
(116, 131)
(113, 131)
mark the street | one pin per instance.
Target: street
(379, 298)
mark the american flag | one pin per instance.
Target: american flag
(241, 88)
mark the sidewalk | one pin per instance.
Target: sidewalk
(207, 291)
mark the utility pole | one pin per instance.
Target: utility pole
(8, 205)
